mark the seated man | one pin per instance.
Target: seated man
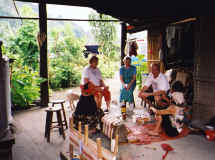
(171, 120)
(160, 86)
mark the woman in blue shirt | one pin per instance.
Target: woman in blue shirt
(128, 81)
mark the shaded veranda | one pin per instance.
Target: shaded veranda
(31, 144)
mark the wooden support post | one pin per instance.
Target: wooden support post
(1, 49)
(86, 135)
(99, 148)
(123, 40)
(44, 92)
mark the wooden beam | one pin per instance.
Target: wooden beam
(58, 19)
(123, 40)
(62, 2)
(44, 91)
(185, 21)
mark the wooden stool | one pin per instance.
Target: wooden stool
(49, 122)
(64, 113)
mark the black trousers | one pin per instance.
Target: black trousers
(167, 126)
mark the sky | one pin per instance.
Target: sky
(56, 11)
(70, 12)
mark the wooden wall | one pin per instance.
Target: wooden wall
(204, 70)
(204, 66)
(154, 44)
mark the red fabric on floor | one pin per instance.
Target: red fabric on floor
(138, 134)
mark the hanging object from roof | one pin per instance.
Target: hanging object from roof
(133, 48)
(91, 49)
(130, 27)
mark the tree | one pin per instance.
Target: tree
(5, 28)
(23, 47)
(105, 34)
(25, 42)
(66, 60)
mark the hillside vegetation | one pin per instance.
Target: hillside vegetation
(66, 43)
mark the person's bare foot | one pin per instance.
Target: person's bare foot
(153, 133)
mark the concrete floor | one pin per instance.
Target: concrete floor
(31, 145)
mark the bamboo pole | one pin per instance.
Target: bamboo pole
(86, 135)
(99, 148)
(79, 127)
(71, 151)
(116, 144)
(70, 145)
(71, 123)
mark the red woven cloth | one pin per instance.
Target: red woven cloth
(138, 134)
(94, 90)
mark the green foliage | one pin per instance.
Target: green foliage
(24, 85)
(141, 69)
(65, 55)
(66, 60)
(105, 34)
(63, 75)
(25, 82)
(5, 28)
(107, 67)
(25, 43)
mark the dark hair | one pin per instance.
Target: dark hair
(178, 86)
(93, 59)
(157, 65)
(125, 58)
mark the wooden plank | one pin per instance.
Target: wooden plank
(204, 84)
(154, 44)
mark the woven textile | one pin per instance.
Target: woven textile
(109, 121)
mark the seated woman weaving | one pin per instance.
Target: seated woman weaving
(171, 119)
(88, 109)
(92, 76)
